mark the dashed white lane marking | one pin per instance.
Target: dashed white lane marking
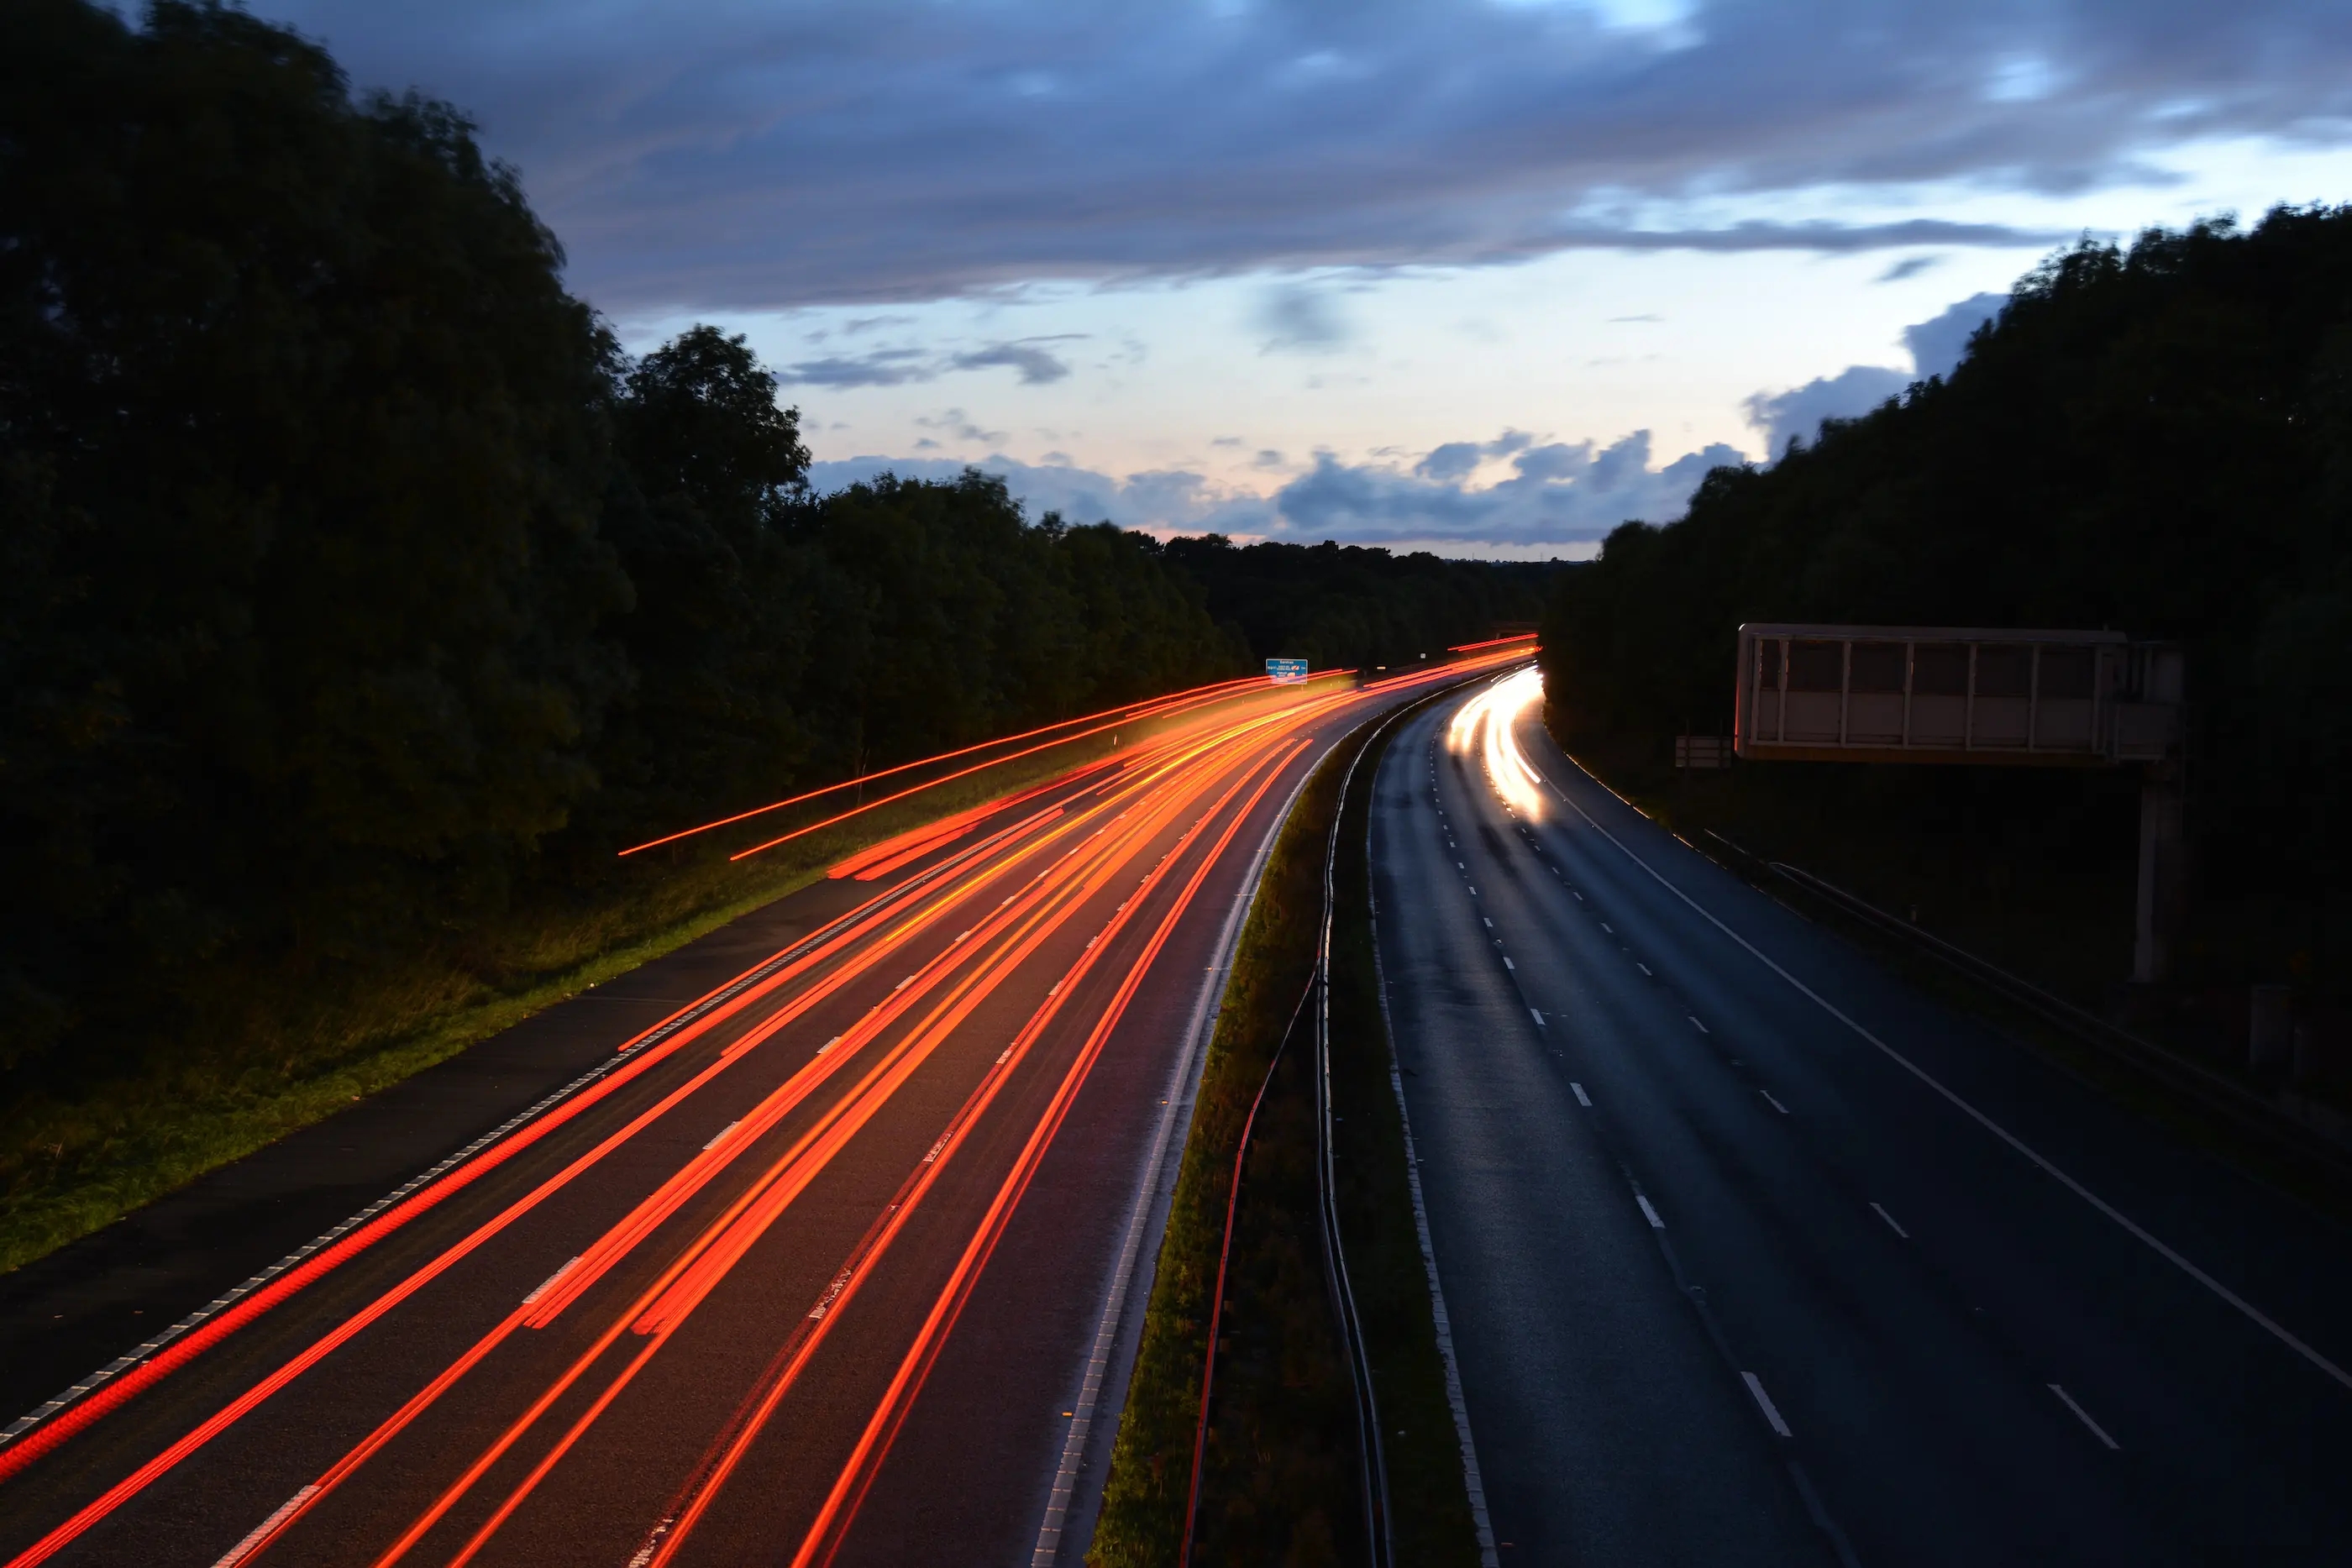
(1579, 897)
(1582, 1097)
(1648, 1213)
(1490, 925)
(1539, 1022)
(2024, 1151)
(1608, 928)
(1774, 1104)
(2085, 1416)
(547, 1284)
(828, 1045)
(1890, 1222)
(1459, 866)
(1644, 968)
(1507, 962)
(1764, 1402)
(244, 1549)
(721, 1133)
(1698, 1026)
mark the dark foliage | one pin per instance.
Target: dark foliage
(2157, 439)
(359, 597)
(1353, 607)
(356, 590)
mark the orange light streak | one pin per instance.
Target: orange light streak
(855, 925)
(1237, 684)
(671, 1535)
(781, 1185)
(1494, 643)
(850, 1486)
(960, 773)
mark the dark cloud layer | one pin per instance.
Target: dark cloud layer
(704, 154)
(897, 367)
(1561, 493)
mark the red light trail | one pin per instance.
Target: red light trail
(1024, 893)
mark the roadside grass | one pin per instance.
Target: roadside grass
(311, 1044)
(1279, 1480)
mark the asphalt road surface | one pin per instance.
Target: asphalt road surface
(824, 1266)
(1752, 1254)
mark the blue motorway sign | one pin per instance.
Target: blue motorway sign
(1285, 670)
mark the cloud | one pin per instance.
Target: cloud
(1458, 459)
(898, 367)
(1037, 366)
(1857, 390)
(1936, 345)
(883, 368)
(1909, 267)
(707, 154)
(1301, 319)
(1557, 493)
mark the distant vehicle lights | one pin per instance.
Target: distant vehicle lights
(1497, 714)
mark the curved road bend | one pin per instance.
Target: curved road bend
(1738, 1278)
(815, 1277)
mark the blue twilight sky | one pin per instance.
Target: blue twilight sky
(1489, 275)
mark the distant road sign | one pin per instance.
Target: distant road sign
(1283, 671)
(1702, 752)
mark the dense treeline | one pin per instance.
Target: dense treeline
(358, 590)
(359, 595)
(1348, 607)
(2156, 438)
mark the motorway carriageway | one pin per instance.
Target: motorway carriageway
(831, 1266)
(1753, 1254)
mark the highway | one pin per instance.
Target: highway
(1753, 1255)
(838, 1263)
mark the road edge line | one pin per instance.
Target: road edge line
(2248, 1309)
(1472, 1478)
(1117, 1331)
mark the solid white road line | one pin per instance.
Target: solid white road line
(243, 1549)
(1648, 1213)
(1774, 1104)
(1764, 1401)
(1890, 1222)
(549, 1283)
(2252, 1313)
(1582, 1097)
(2085, 1416)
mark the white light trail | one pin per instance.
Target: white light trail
(1497, 712)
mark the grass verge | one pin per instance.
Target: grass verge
(71, 1164)
(1279, 1481)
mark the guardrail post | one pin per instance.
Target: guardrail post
(2163, 857)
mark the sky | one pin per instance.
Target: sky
(1486, 277)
